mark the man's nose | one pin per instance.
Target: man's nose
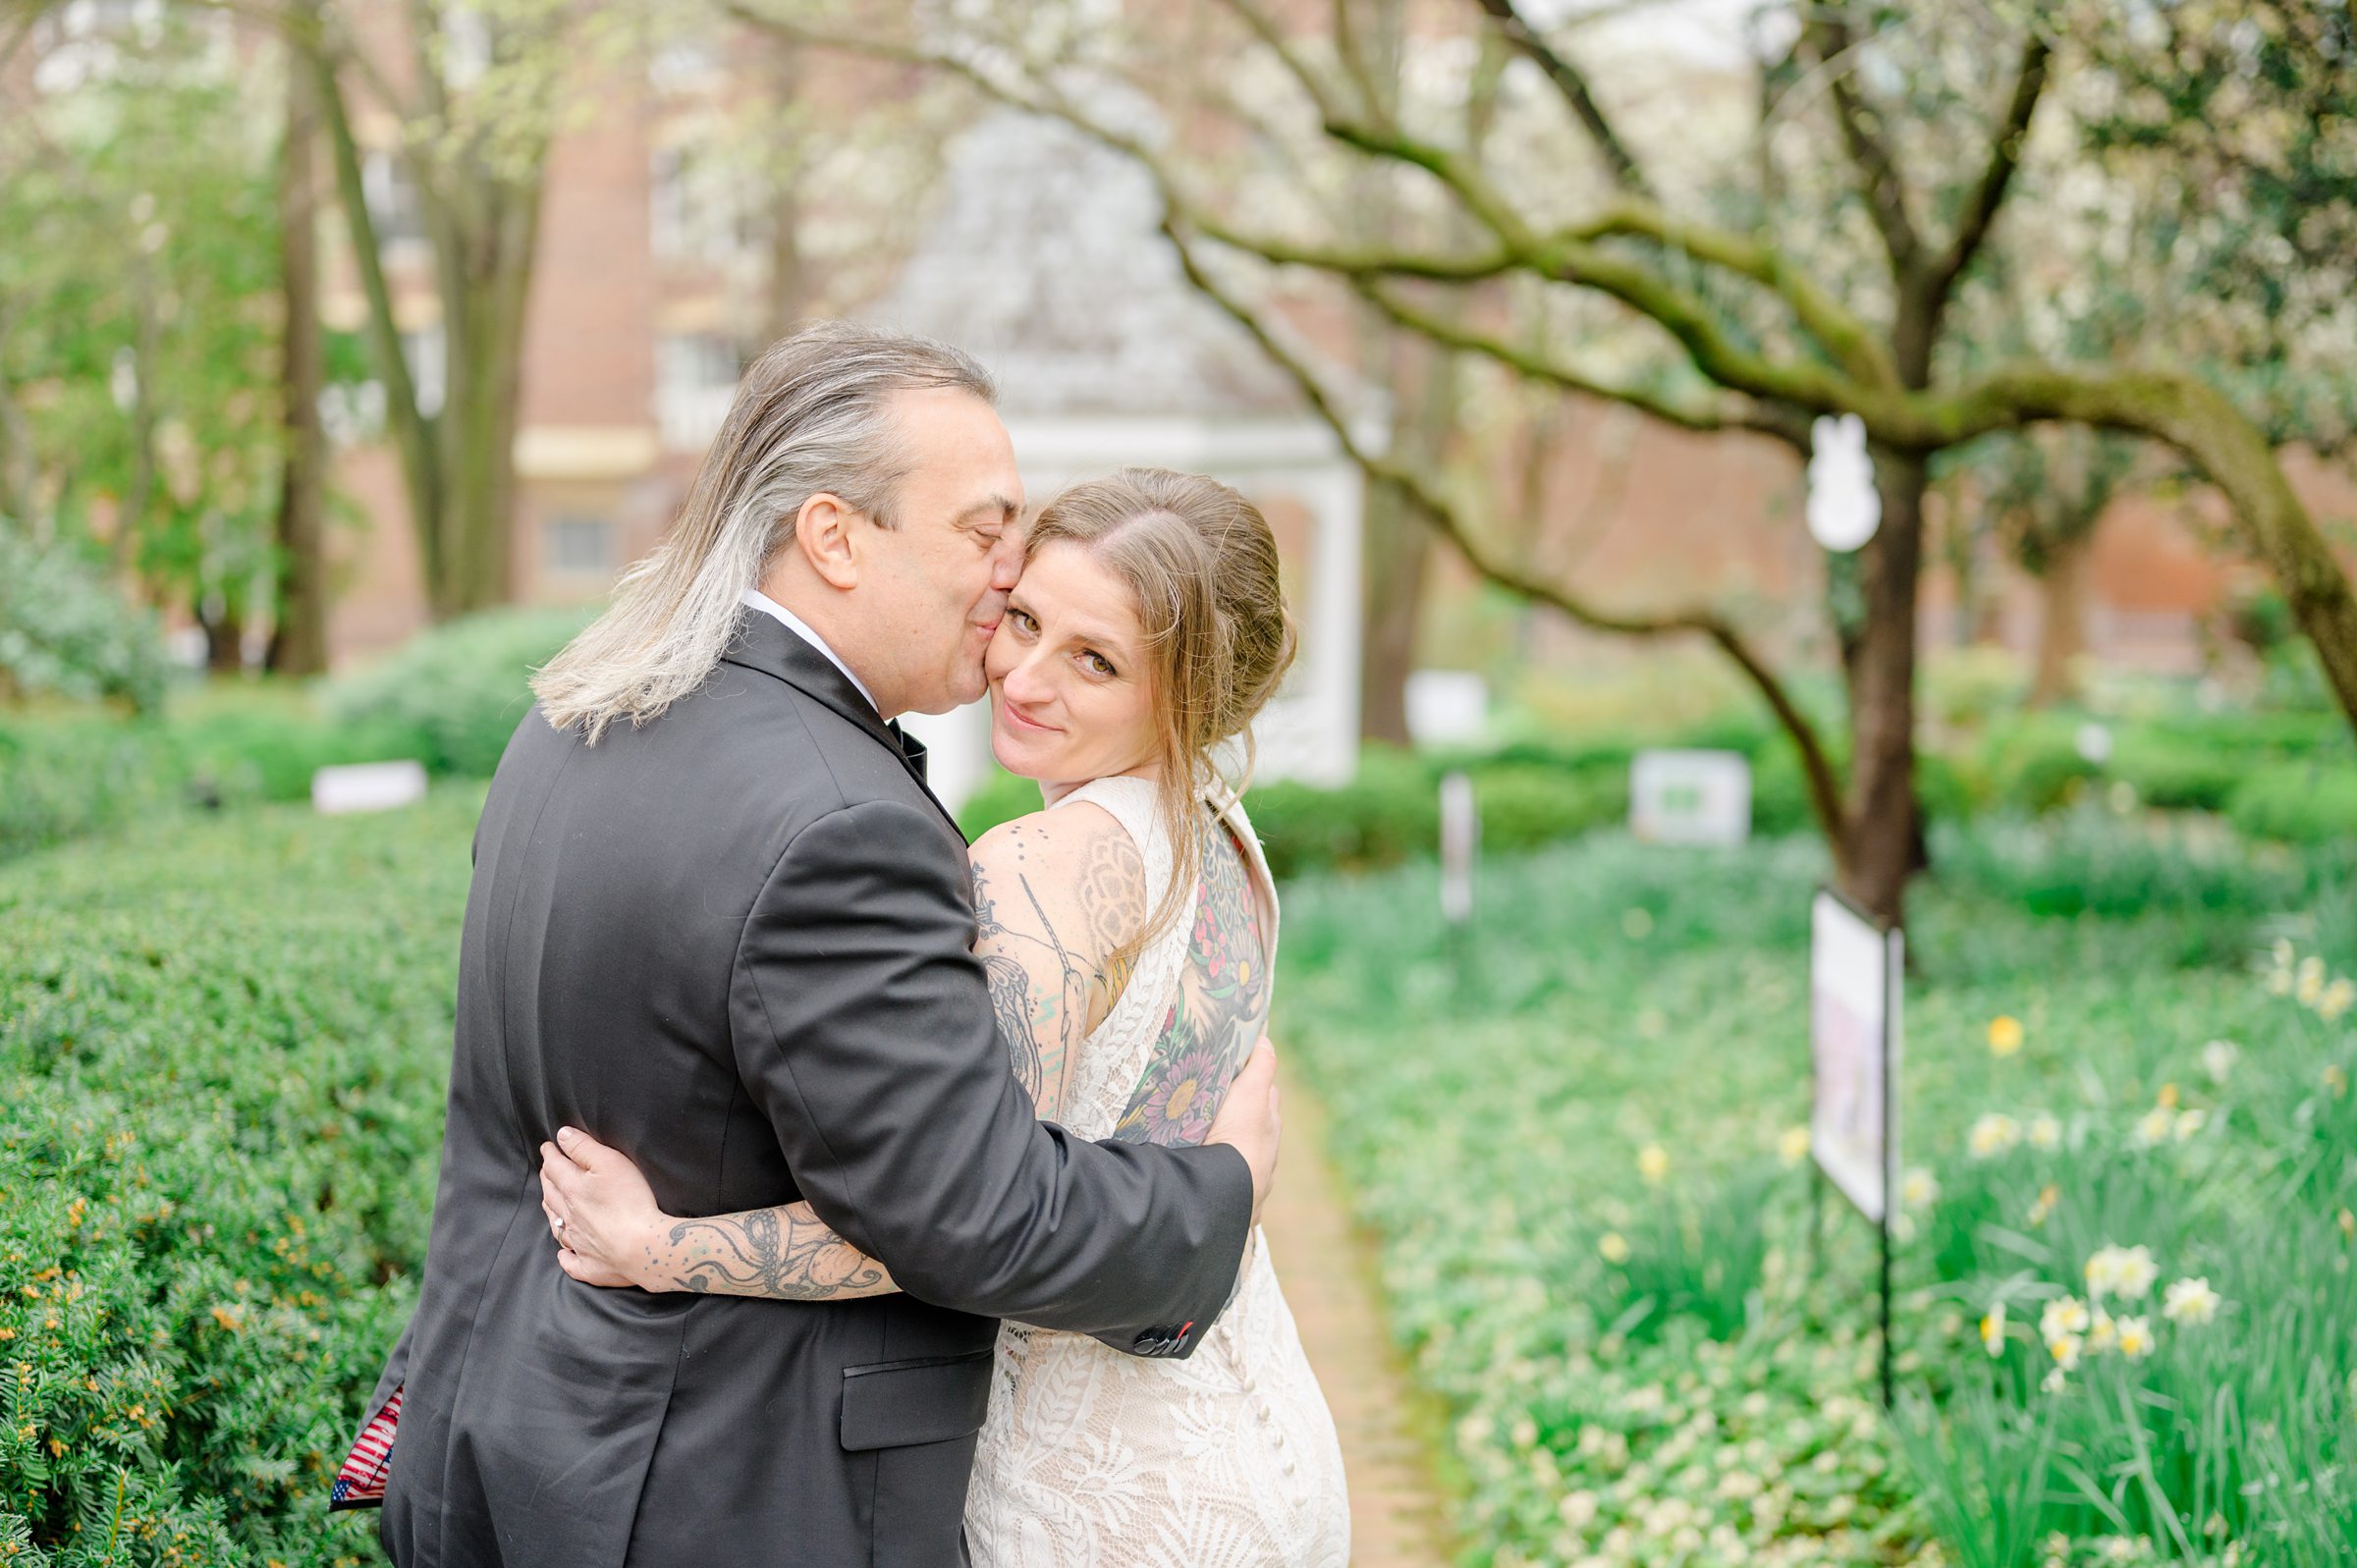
(1006, 561)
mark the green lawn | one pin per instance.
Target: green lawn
(224, 1038)
(1665, 1371)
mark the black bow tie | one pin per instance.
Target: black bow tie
(910, 748)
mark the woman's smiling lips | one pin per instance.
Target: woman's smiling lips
(1018, 720)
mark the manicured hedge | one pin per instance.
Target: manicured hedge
(449, 698)
(223, 1043)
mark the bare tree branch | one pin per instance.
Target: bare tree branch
(1573, 85)
(1862, 132)
(2004, 157)
(1825, 791)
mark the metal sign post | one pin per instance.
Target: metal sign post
(1460, 849)
(1856, 967)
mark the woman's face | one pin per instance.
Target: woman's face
(1071, 696)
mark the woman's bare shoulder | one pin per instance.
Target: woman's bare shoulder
(1072, 869)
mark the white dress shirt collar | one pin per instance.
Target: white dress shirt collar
(755, 599)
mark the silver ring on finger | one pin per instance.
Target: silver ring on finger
(559, 1227)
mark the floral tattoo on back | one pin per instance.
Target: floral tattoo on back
(1222, 1003)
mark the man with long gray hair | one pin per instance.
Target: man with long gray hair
(718, 922)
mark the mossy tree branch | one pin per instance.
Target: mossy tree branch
(1429, 496)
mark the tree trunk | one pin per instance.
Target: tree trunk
(224, 640)
(485, 315)
(1881, 843)
(299, 633)
(2061, 621)
(788, 273)
(1398, 548)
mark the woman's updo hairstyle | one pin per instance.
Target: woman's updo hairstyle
(1201, 565)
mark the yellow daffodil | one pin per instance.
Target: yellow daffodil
(2339, 998)
(2167, 1097)
(2135, 1338)
(1992, 1135)
(2044, 1209)
(1614, 1247)
(2348, 1225)
(2335, 1080)
(1652, 1163)
(1793, 1146)
(2155, 1126)
(2064, 1348)
(2004, 1035)
(2310, 985)
(2127, 1272)
(2189, 1122)
(1992, 1329)
(2218, 1057)
(2045, 1132)
(2189, 1301)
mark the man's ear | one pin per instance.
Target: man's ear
(823, 532)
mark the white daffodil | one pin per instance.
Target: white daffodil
(2308, 988)
(2045, 1132)
(1992, 1329)
(1612, 1246)
(2065, 1316)
(2126, 1273)
(1793, 1146)
(2339, 998)
(1920, 1189)
(2189, 1301)
(2064, 1348)
(1992, 1135)
(2048, 1197)
(2218, 1057)
(2100, 1334)
(2135, 1338)
(2154, 1127)
(1652, 1163)
(2189, 1123)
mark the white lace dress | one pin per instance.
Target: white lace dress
(1090, 1458)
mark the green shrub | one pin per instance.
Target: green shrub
(460, 688)
(269, 752)
(1003, 798)
(65, 633)
(224, 1044)
(2312, 803)
(1390, 812)
(66, 775)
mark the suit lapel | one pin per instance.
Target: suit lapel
(763, 643)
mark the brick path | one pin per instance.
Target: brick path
(1397, 1511)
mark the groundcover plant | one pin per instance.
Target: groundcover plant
(2127, 1318)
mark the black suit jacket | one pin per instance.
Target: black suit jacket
(734, 942)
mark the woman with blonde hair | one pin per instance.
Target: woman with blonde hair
(1129, 929)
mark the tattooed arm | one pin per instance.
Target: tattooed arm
(1056, 896)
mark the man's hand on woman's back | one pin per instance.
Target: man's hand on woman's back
(1249, 1122)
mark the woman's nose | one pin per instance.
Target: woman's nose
(1028, 682)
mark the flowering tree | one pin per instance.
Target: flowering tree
(1728, 287)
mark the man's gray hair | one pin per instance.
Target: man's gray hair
(811, 417)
